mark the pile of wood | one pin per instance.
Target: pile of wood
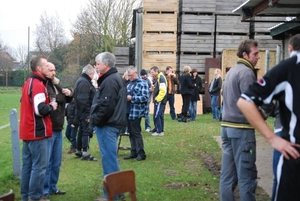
(208, 27)
(159, 33)
(122, 59)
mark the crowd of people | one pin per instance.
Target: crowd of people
(104, 103)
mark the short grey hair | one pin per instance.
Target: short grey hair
(106, 58)
(132, 69)
(88, 69)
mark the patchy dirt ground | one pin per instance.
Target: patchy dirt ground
(263, 163)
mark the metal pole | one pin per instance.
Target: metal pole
(15, 142)
(267, 61)
(28, 53)
(139, 39)
(278, 53)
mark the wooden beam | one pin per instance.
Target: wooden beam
(260, 7)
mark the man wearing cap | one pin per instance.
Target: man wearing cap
(144, 76)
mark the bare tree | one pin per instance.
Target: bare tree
(6, 64)
(102, 25)
(50, 33)
(21, 53)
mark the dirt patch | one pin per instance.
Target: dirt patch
(178, 185)
(264, 156)
(211, 163)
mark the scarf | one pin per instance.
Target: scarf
(248, 64)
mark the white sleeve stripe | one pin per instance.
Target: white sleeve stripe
(246, 98)
(37, 99)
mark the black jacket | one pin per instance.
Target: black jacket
(70, 112)
(195, 96)
(186, 85)
(217, 87)
(106, 98)
(83, 97)
(58, 115)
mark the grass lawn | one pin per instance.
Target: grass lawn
(182, 165)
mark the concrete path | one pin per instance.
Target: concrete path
(264, 158)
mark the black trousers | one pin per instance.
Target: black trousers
(186, 99)
(83, 137)
(136, 138)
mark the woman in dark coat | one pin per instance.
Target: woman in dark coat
(196, 80)
(186, 90)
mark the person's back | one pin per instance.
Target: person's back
(83, 96)
(281, 83)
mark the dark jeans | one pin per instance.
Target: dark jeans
(84, 133)
(136, 138)
(186, 99)
(71, 133)
(158, 116)
(171, 100)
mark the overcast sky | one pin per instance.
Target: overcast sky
(17, 15)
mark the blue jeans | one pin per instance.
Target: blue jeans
(147, 119)
(238, 163)
(34, 157)
(214, 106)
(193, 110)
(171, 100)
(107, 137)
(71, 134)
(276, 156)
(158, 116)
(147, 122)
(54, 156)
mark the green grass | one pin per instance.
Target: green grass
(9, 99)
(173, 171)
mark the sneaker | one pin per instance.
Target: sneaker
(88, 157)
(158, 134)
(58, 192)
(152, 131)
(148, 130)
(78, 154)
(72, 150)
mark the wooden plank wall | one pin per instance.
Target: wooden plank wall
(262, 32)
(197, 33)
(189, 32)
(159, 33)
(122, 59)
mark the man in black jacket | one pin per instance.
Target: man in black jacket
(55, 143)
(108, 121)
(83, 96)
